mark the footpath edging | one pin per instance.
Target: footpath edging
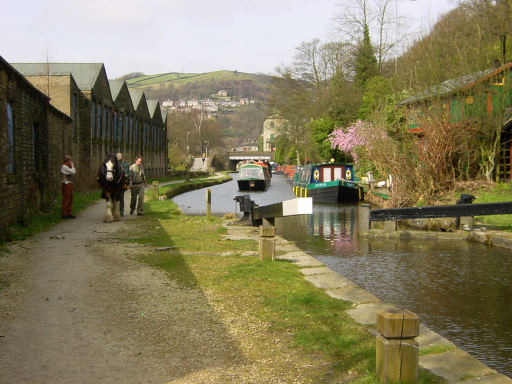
(454, 365)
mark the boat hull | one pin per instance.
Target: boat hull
(334, 194)
(253, 185)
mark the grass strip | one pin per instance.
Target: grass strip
(273, 292)
(500, 192)
(41, 221)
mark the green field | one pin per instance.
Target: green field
(183, 78)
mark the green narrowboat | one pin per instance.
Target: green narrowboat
(327, 183)
(254, 177)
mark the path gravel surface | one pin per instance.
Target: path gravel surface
(77, 308)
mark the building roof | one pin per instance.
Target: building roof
(29, 85)
(85, 74)
(136, 96)
(454, 85)
(152, 104)
(115, 87)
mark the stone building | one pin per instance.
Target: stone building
(34, 138)
(155, 139)
(123, 138)
(271, 127)
(104, 113)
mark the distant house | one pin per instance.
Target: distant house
(484, 94)
(193, 103)
(167, 104)
(271, 127)
(222, 93)
(209, 106)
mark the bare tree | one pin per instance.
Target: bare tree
(378, 16)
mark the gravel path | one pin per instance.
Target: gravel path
(78, 309)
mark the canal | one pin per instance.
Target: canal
(459, 289)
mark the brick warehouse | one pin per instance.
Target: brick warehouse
(35, 137)
(73, 108)
(106, 121)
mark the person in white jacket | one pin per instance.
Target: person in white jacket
(68, 170)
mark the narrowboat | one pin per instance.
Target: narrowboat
(254, 177)
(327, 183)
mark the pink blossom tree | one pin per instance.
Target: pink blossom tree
(347, 139)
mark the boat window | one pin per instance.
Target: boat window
(255, 173)
(337, 173)
(326, 175)
(306, 175)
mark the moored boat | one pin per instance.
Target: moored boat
(327, 183)
(254, 177)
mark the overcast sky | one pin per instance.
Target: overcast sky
(155, 36)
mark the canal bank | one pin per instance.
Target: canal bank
(437, 354)
(445, 281)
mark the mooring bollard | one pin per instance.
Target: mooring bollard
(155, 190)
(397, 348)
(363, 219)
(208, 204)
(267, 240)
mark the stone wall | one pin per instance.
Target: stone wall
(38, 128)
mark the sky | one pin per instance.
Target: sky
(158, 36)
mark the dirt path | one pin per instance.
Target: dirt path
(79, 309)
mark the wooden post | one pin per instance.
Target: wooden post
(208, 203)
(155, 190)
(397, 349)
(267, 240)
(364, 219)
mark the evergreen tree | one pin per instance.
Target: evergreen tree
(366, 62)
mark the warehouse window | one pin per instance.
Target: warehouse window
(10, 139)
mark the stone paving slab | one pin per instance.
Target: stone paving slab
(353, 294)
(329, 281)
(497, 378)
(455, 365)
(501, 241)
(293, 256)
(316, 271)
(367, 313)
(428, 338)
(307, 262)
(300, 259)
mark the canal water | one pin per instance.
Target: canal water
(459, 289)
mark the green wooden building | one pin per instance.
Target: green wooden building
(482, 95)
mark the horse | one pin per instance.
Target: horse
(112, 180)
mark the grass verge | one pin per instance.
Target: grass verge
(42, 221)
(499, 192)
(275, 293)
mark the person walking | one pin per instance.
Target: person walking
(137, 186)
(126, 170)
(68, 170)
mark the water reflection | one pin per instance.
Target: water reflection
(459, 289)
